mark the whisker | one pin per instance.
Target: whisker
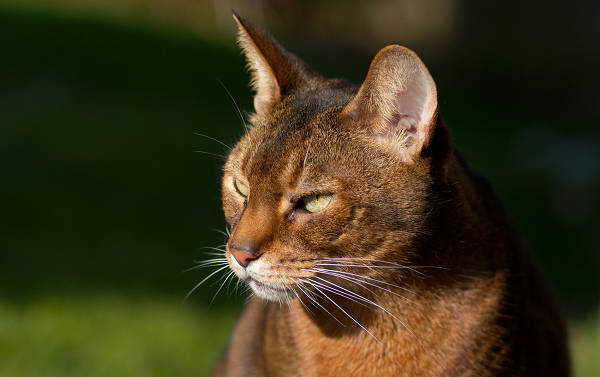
(220, 255)
(316, 302)
(237, 286)
(345, 293)
(287, 297)
(372, 303)
(370, 279)
(362, 265)
(209, 263)
(372, 267)
(229, 286)
(213, 139)
(214, 248)
(360, 259)
(203, 280)
(239, 112)
(358, 281)
(352, 260)
(334, 273)
(301, 302)
(228, 276)
(377, 305)
(343, 311)
(339, 293)
(220, 231)
(215, 257)
(215, 155)
(306, 155)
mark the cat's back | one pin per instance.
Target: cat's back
(538, 341)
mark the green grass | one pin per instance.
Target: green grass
(585, 346)
(110, 336)
(104, 336)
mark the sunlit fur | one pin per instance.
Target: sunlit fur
(411, 269)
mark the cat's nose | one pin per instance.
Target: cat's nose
(243, 255)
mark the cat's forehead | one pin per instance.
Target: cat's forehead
(280, 142)
(302, 110)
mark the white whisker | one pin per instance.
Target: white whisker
(215, 155)
(227, 277)
(349, 316)
(306, 155)
(216, 249)
(301, 302)
(336, 274)
(239, 112)
(249, 296)
(370, 302)
(339, 293)
(316, 302)
(368, 278)
(203, 280)
(208, 263)
(220, 231)
(213, 139)
(343, 261)
(355, 278)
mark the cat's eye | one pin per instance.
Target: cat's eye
(316, 202)
(241, 187)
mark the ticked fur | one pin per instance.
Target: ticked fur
(411, 269)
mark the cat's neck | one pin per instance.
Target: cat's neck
(398, 332)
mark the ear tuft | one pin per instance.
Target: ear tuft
(275, 72)
(263, 80)
(397, 101)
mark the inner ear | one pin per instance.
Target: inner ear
(408, 111)
(410, 104)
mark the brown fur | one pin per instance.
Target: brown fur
(473, 305)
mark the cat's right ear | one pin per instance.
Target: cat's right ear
(275, 71)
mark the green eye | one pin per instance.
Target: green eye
(241, 187)
(316, 202)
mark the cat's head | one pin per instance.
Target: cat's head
(331, 179)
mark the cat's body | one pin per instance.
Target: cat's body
(404, 264)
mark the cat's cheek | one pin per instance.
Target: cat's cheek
(309, 232)
(232, 208)
(302, 221)
(234, 218)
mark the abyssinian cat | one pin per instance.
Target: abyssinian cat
(371, 247)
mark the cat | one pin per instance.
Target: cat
(370, 246)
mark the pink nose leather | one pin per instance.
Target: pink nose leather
(242, 257)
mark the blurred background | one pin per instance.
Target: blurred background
(104, 202)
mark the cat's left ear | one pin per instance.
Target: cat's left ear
(275, 71)
(397, 102)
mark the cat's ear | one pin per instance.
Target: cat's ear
(397, 102)
(275, 71)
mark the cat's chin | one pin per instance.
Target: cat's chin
(269, 292)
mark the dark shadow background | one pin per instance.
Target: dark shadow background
(101, 190)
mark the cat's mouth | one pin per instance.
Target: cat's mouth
(270, 292)
(254, 276)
